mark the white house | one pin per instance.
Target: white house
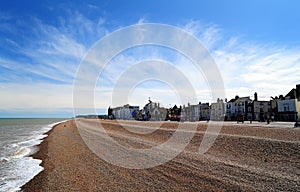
(125, 112)
(238, 107)
(217, 110)
(289, 106)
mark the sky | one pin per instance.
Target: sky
(255, 45)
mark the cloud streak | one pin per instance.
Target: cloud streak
(49, 51)
(40, 68)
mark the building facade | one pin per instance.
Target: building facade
(153, 112)
(190, 112)
(204, 111)
(198, 112)
(125, 112)
(238, 108)
(217, 110)
(261, 110)
(289, 106)
(282, 108)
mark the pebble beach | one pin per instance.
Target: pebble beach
(243, 158)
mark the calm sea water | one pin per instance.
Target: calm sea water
(18, 140)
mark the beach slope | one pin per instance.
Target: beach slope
(243, 158)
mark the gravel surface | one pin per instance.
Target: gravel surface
(243, 158)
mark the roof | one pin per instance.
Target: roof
(231, 100)
(294, 93)
(239, 98)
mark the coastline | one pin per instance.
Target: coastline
(19, 141)
(42, 150)
(58, 161)
(232, 164)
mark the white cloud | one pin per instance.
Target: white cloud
(41, 74)
(92, 6)
(264, 68)
(141, 21)
(52, 52)
(35, 95)
(246, 67)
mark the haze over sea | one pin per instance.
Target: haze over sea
(19, 138)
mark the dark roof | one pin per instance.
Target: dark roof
(294, 94)
(291, 94)
(232, 100)
(237, 98)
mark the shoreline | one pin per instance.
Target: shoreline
(20, 140)
(41, 154)
(232, 164)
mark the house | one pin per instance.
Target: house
(152, 112)
(289, 106)
(125, 112)
(197, 112)
(217, 110)
(204, 112)
(241, 107)
(230, 109)
(238, 107)
(261, 110)
(191, 112)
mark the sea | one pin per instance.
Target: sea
(19, 138)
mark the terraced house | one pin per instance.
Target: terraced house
(289, 106)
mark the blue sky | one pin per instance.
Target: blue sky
(254, 43)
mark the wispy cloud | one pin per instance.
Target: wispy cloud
(35, 95)
(39, 61)
(266, 68)
(247, 66)
(43, 61)
(92, 6)
(51, 51)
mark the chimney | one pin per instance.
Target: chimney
(255, 96)
(281, 97)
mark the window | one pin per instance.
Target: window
(286, 107)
